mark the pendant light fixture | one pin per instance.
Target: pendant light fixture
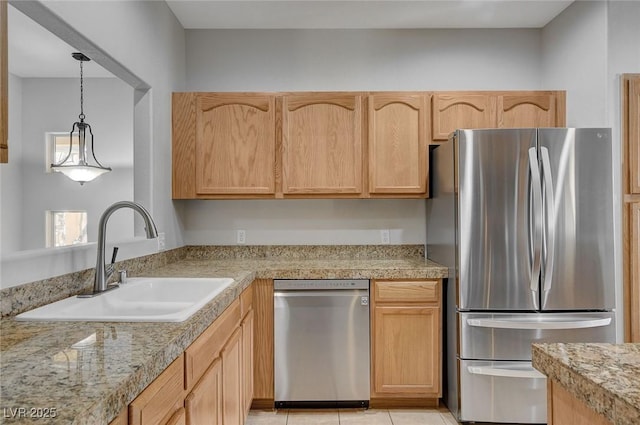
(81, 171)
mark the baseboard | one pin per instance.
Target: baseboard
(262, 404)
(394, 403)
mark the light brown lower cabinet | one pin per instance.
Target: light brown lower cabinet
(204, 402)
(232, 380)
(405, 342)
(563, 408)
(161, 399)
(178, 418)
(208, 384)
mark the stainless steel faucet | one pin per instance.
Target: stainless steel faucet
(104, 271)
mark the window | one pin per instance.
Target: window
(58, 148)
(66, 228)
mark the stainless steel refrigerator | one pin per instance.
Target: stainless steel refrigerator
(523, 218)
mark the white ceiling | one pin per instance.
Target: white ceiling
(361, 14)
(35, 52)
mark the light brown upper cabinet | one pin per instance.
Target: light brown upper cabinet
(4, 85)
(531, 109)
(398, 162)
(453, 110)
(322, 144)
(224, 145)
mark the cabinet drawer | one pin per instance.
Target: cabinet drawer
(407, 291)
(160, 399)
(205, 349)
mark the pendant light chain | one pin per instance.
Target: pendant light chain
(81, 116)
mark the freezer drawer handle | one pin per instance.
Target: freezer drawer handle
(516, 324)
(505, 373)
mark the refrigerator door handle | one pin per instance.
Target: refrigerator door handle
(536, 191)
(534, 324)
(505, 373)
(550, 223)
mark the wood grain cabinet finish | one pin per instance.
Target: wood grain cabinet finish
(406, 331)
(634, 270)
(633, 125)
(204, 403)
(178, 418)
(398, 162)
(224, 144)
(322, 144)
(454, 110)
(247, 363)
(161, 399)
(563, 408)
(263, 354)
(531, 109)
(232, 380)
(492, 109)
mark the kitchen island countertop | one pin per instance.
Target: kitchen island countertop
(87, 372)
(605, 377)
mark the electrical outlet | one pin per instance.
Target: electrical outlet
(161, 241)
(241, 237)
(384, 236)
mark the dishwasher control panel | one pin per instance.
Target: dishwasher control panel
(319, 284)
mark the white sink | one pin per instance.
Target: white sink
(143, 299)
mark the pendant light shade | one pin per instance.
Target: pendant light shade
(82, 170)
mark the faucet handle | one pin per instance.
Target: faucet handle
(114, 255)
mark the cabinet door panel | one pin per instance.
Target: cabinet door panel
(161, 398)
(204, 403)
(397, 143)
(634, 270)
(247, 363)
(322, 144)
(235, 144)
(634, 135)
(527, 110)
(232, 380)
(179, 418)
(461, 110)
(406, 360)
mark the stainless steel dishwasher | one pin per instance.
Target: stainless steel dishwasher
(321, 343)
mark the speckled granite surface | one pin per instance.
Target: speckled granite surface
(89, 371)
(606, 377)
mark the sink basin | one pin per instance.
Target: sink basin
(143, 299)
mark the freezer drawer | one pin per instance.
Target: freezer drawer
(507, 336)
(509, 392)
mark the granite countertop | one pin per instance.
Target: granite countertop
(606, 377)
(89, 371)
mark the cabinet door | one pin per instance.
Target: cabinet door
(397, 143)
(179, 418)
(633, 118)
(235, 144)
(163, 397)
(406, 357)
(263, 380)
(322, 144)
(247, 363)
(520, 110)
(232, 380)
(634, 270)
(204, 403)
(453, 110)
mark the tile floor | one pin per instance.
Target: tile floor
(439, 416)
